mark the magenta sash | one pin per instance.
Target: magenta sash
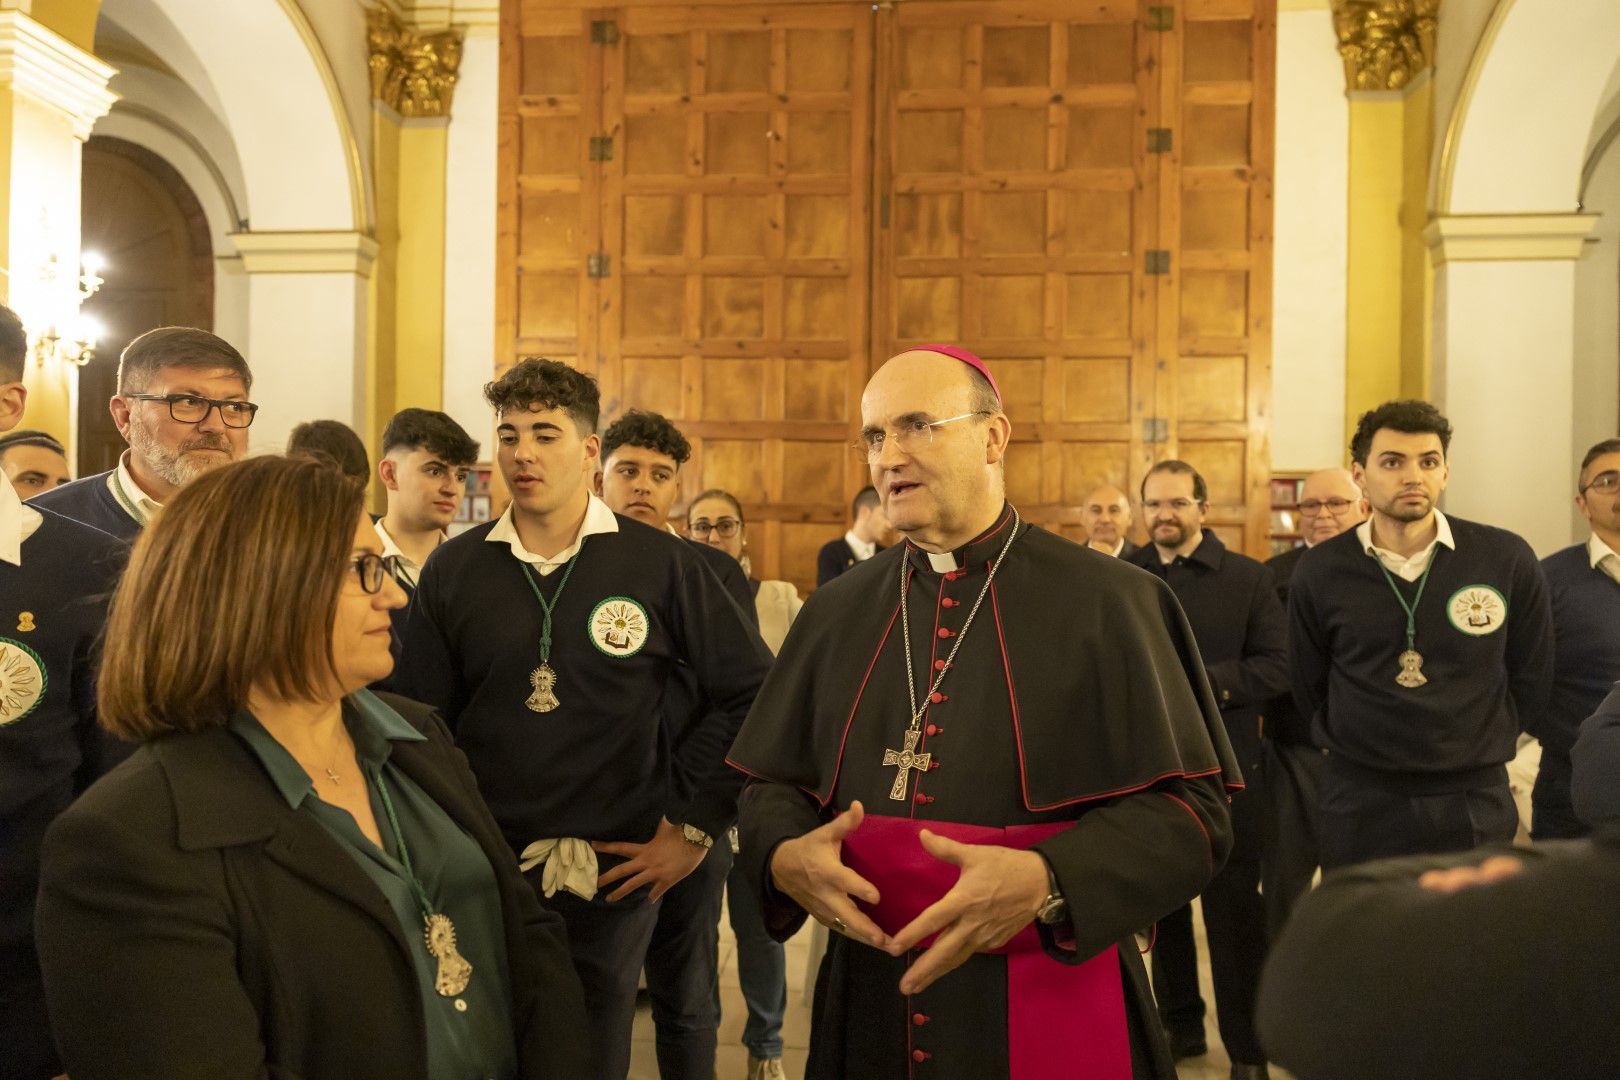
(1064, 1022)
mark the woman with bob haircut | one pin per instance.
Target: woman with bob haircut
(292, 877)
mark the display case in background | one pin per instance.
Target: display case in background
(1285, 488)
(475, 508)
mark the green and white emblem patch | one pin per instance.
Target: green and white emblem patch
(1477, 610)
(619, 626)
(22, 681)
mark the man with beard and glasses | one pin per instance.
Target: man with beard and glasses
(182, 405)
(1421, 645)
(1242, 635)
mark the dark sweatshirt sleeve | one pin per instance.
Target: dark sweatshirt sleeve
(1594, 784)
(1530, 641)
(1127, 864)
(428, 670)
(724, 653)
(1307, 646)
(1376, 976)
(1261, 674)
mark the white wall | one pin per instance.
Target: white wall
(469, 251)
(1597, 318)
(1307, 371)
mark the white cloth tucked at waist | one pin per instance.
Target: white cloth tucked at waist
(570, 864)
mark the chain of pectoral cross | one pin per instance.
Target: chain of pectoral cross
(907, 758)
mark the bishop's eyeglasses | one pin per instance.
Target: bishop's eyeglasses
(191, 409)
(372, 568)
(911, 434)
(725, 528)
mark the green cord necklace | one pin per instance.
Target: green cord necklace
(1411, 661)
(543, 680)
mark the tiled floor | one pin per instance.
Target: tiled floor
(733, 1058)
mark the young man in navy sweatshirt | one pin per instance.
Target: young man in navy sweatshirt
(547, 640)
(56, 577)
(1584, 582)
(1422, 644)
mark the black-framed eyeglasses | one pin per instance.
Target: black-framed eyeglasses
(1332, 506)
(1605, 482)
(372, 569)
(191, 409)
(725, 527)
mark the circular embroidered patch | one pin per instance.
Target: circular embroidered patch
(1477, 610)
(22, 681)
(618, 626)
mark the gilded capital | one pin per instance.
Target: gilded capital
(1385, 43)
(412, 72)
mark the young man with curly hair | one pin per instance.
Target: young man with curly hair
(548, 640)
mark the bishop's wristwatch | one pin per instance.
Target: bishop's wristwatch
(1054, 909)
(696, 836)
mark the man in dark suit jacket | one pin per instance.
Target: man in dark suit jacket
(1242, 636)
(867, 536)
(1329, 503)
(182, 405)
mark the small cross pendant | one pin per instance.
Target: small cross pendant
(907, 760)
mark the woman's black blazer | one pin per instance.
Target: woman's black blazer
(191, 924)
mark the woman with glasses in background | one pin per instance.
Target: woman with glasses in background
(292, 876)
(716, 518)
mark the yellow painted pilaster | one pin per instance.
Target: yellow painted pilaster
(410, 155)
(1387, 48)
(75, 20)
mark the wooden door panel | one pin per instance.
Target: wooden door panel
(737, 221)
(1021, 215)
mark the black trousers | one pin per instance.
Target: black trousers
(1235, 925)
(1373, 815)
(683, 969)
(1293, 787)
(607, 943)
(1552, 815)
(27, 1051)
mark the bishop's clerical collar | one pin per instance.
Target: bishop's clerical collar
(979, 552)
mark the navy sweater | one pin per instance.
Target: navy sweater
(1348, 631)
(1586, 627)
(600, 766)
(52, 609)
(90, 502)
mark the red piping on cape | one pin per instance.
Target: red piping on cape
(853, 709)
(1018, 733)
(1209, 849)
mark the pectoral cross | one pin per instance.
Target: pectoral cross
(906, 759)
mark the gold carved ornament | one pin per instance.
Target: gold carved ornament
(1385, 43)
(412, 72)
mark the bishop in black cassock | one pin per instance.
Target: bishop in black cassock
(1074, 719)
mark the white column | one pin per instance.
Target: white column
(1504, 366)
(307, 328)
(51, 92)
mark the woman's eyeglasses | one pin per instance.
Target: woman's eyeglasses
(725, 528)
(371, 569)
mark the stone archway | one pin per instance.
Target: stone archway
(1505, 234)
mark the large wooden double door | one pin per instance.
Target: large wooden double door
(730, 213)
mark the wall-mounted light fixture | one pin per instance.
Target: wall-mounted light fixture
(72, 339)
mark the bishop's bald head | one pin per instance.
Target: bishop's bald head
(935, 436)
